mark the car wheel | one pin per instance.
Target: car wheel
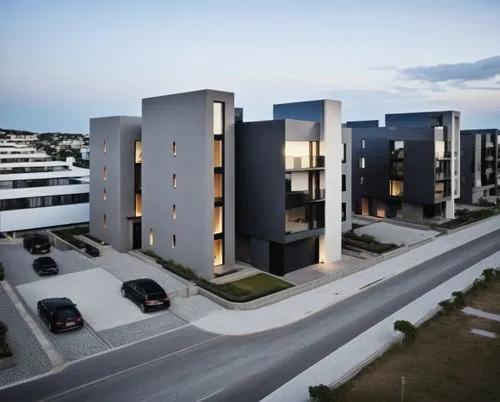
(143, 307)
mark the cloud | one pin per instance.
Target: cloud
(484, 69)
(383, 68)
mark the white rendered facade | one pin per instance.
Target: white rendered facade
(36, 192)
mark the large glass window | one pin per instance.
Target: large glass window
(396, 188)
(218, 111)
(218, 185)
(218, 252)
(217, 153)
(397, 149)
(138, 205)
(305, 218)
(218, 213)
(138, 152)
(303, 154)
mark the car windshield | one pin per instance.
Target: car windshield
(152, 289)
(46, 262)
(65, 313)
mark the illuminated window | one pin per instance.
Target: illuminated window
(218, 252)
(218, 186)
(105, 173)
(104, 148)
(361, 180)
(151, 237)
(104, 221)
(174, 180)
(138, 152)
(104, 195)
(396, 188)
(363, 144)
(174, 149)
(174, 212)
(218, 212)
(138, 205)
(362, 162)
(217, 153)
(218, 110)
(174, 241)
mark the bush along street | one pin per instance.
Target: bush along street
(4, 346)
(2, 272)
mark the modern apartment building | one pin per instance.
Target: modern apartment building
(480, 165)
(165, 182)
(290, 177)
(37, 192)
(405, 169)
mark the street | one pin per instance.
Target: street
(192, 365)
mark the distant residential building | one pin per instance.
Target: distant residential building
(406, 169)
(38, 192)
(480, 164)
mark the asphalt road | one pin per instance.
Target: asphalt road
(191, 365)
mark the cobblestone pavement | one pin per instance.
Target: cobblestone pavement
(29, 355)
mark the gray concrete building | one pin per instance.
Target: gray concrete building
(480, 165)
(403, 172)
(166, 183)
(112, 190)
(292, 189)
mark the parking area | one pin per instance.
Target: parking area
(396, 234)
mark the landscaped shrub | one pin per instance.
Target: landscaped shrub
(321, 393)
(490, 274)
(407, 328)
(447, 305)
(69, 236)
(478, 285)
(4, 346)
(459, 299)
(2, 272)
(464, 217)
(365, 242)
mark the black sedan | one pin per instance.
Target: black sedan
(45, 266)
(146, 293)
(60, 314)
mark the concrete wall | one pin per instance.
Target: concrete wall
(111, 144)
(187, 119)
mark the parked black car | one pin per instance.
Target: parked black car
(37, 243)
(146, 293)
(60, 314)
(45, 266)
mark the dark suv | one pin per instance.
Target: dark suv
(60, 314)
(146, 293)
(45, 266)
(37, 243)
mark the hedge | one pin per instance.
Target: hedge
(366, 242)
(4, 346)
(2, 272)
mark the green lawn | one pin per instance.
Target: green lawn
(260, 283)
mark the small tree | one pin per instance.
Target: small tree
(447, 305)
(407, 328)
(321, 393)
(489, 274)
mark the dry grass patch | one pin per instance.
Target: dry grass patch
(445, 363)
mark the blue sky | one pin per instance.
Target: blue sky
(65, 61)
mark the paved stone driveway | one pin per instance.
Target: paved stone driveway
(388, 233)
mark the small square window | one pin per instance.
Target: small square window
(174, 240)
(363, 144)
(362, 163)
(104, 221)
(174, 180)
(104, 195)
(151, 237)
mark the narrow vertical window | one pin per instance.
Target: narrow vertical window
(105, 173)
(174, 149)
(174, 180)
(151, 237)
(361, 180)
(344, 186)
(174, 212)
(138, 152)
(104, 195)
(174, 240)
(104, 221)
(344, 152)
(344, 212)
(362, 162)
(363, 144)
(218, 123)
(104, 147)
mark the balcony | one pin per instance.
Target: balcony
(443, 155)
(443, 176)
(302, 197)
(304, 162)
(304, 218)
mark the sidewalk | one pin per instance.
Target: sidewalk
(346, 361)
(295, 308)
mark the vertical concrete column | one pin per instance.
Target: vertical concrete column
(331, 132)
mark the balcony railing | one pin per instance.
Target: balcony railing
(443, 176)
(304, 162)
(300, 197)
(443, 155)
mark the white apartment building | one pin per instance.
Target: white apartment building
(37, 192)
